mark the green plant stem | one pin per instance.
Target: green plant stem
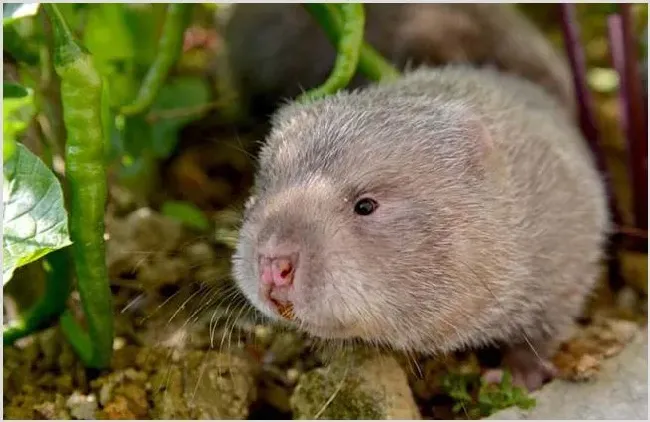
(169, 50)
(81, 96)
(349, 45)
(50, 306)
(78, 338)
(371, 63)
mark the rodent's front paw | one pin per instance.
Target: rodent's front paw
(528, 369)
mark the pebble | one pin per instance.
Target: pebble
(82, 406)
(360, 386)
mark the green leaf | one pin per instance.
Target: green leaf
(12, 90)
(35, 220)
(13, 11)
(112, 45)
(17, 113)
(107, 34)
(186, 213)
(145, 22)
(181, 101)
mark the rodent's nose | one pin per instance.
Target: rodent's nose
(278, 270)
(277, 276)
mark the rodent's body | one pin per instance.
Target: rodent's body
(489, 227)
(277, 50)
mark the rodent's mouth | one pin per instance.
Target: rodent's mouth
(285, 310)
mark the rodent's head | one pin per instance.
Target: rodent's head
(361, 216)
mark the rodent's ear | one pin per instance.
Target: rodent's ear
(484, 141)
(477, 135)
(481, 148)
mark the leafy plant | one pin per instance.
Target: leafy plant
(476, 399)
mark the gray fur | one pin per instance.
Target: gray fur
(278, 50)
(491, 215)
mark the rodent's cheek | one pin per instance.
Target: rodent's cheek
(321, 304)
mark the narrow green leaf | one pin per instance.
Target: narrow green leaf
(16, 112)
(35, 220)
(186, 213)
(13, 90)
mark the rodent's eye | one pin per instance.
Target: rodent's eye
(365, 206)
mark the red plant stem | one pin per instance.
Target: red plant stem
(617, 50)
(576, 56)
(636, 121)
(636, 159)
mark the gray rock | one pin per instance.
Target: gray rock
(355, 387)
(205, 385)
(620, 391)
(82, 406)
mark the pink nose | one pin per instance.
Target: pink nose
(277, 271)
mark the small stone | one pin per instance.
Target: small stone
(204, 385)
(263, 334)
(47, 410)
(136, 397)
(167, 395)
(363, 386)
(176, 355)
(118, 408)
(119, 343)
(82, 406)
(117, 382)
(219, 385)
(292, 375)
(586, 368)
(53, 410)
(623, 330)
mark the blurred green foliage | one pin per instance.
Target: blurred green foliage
(123, 41)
